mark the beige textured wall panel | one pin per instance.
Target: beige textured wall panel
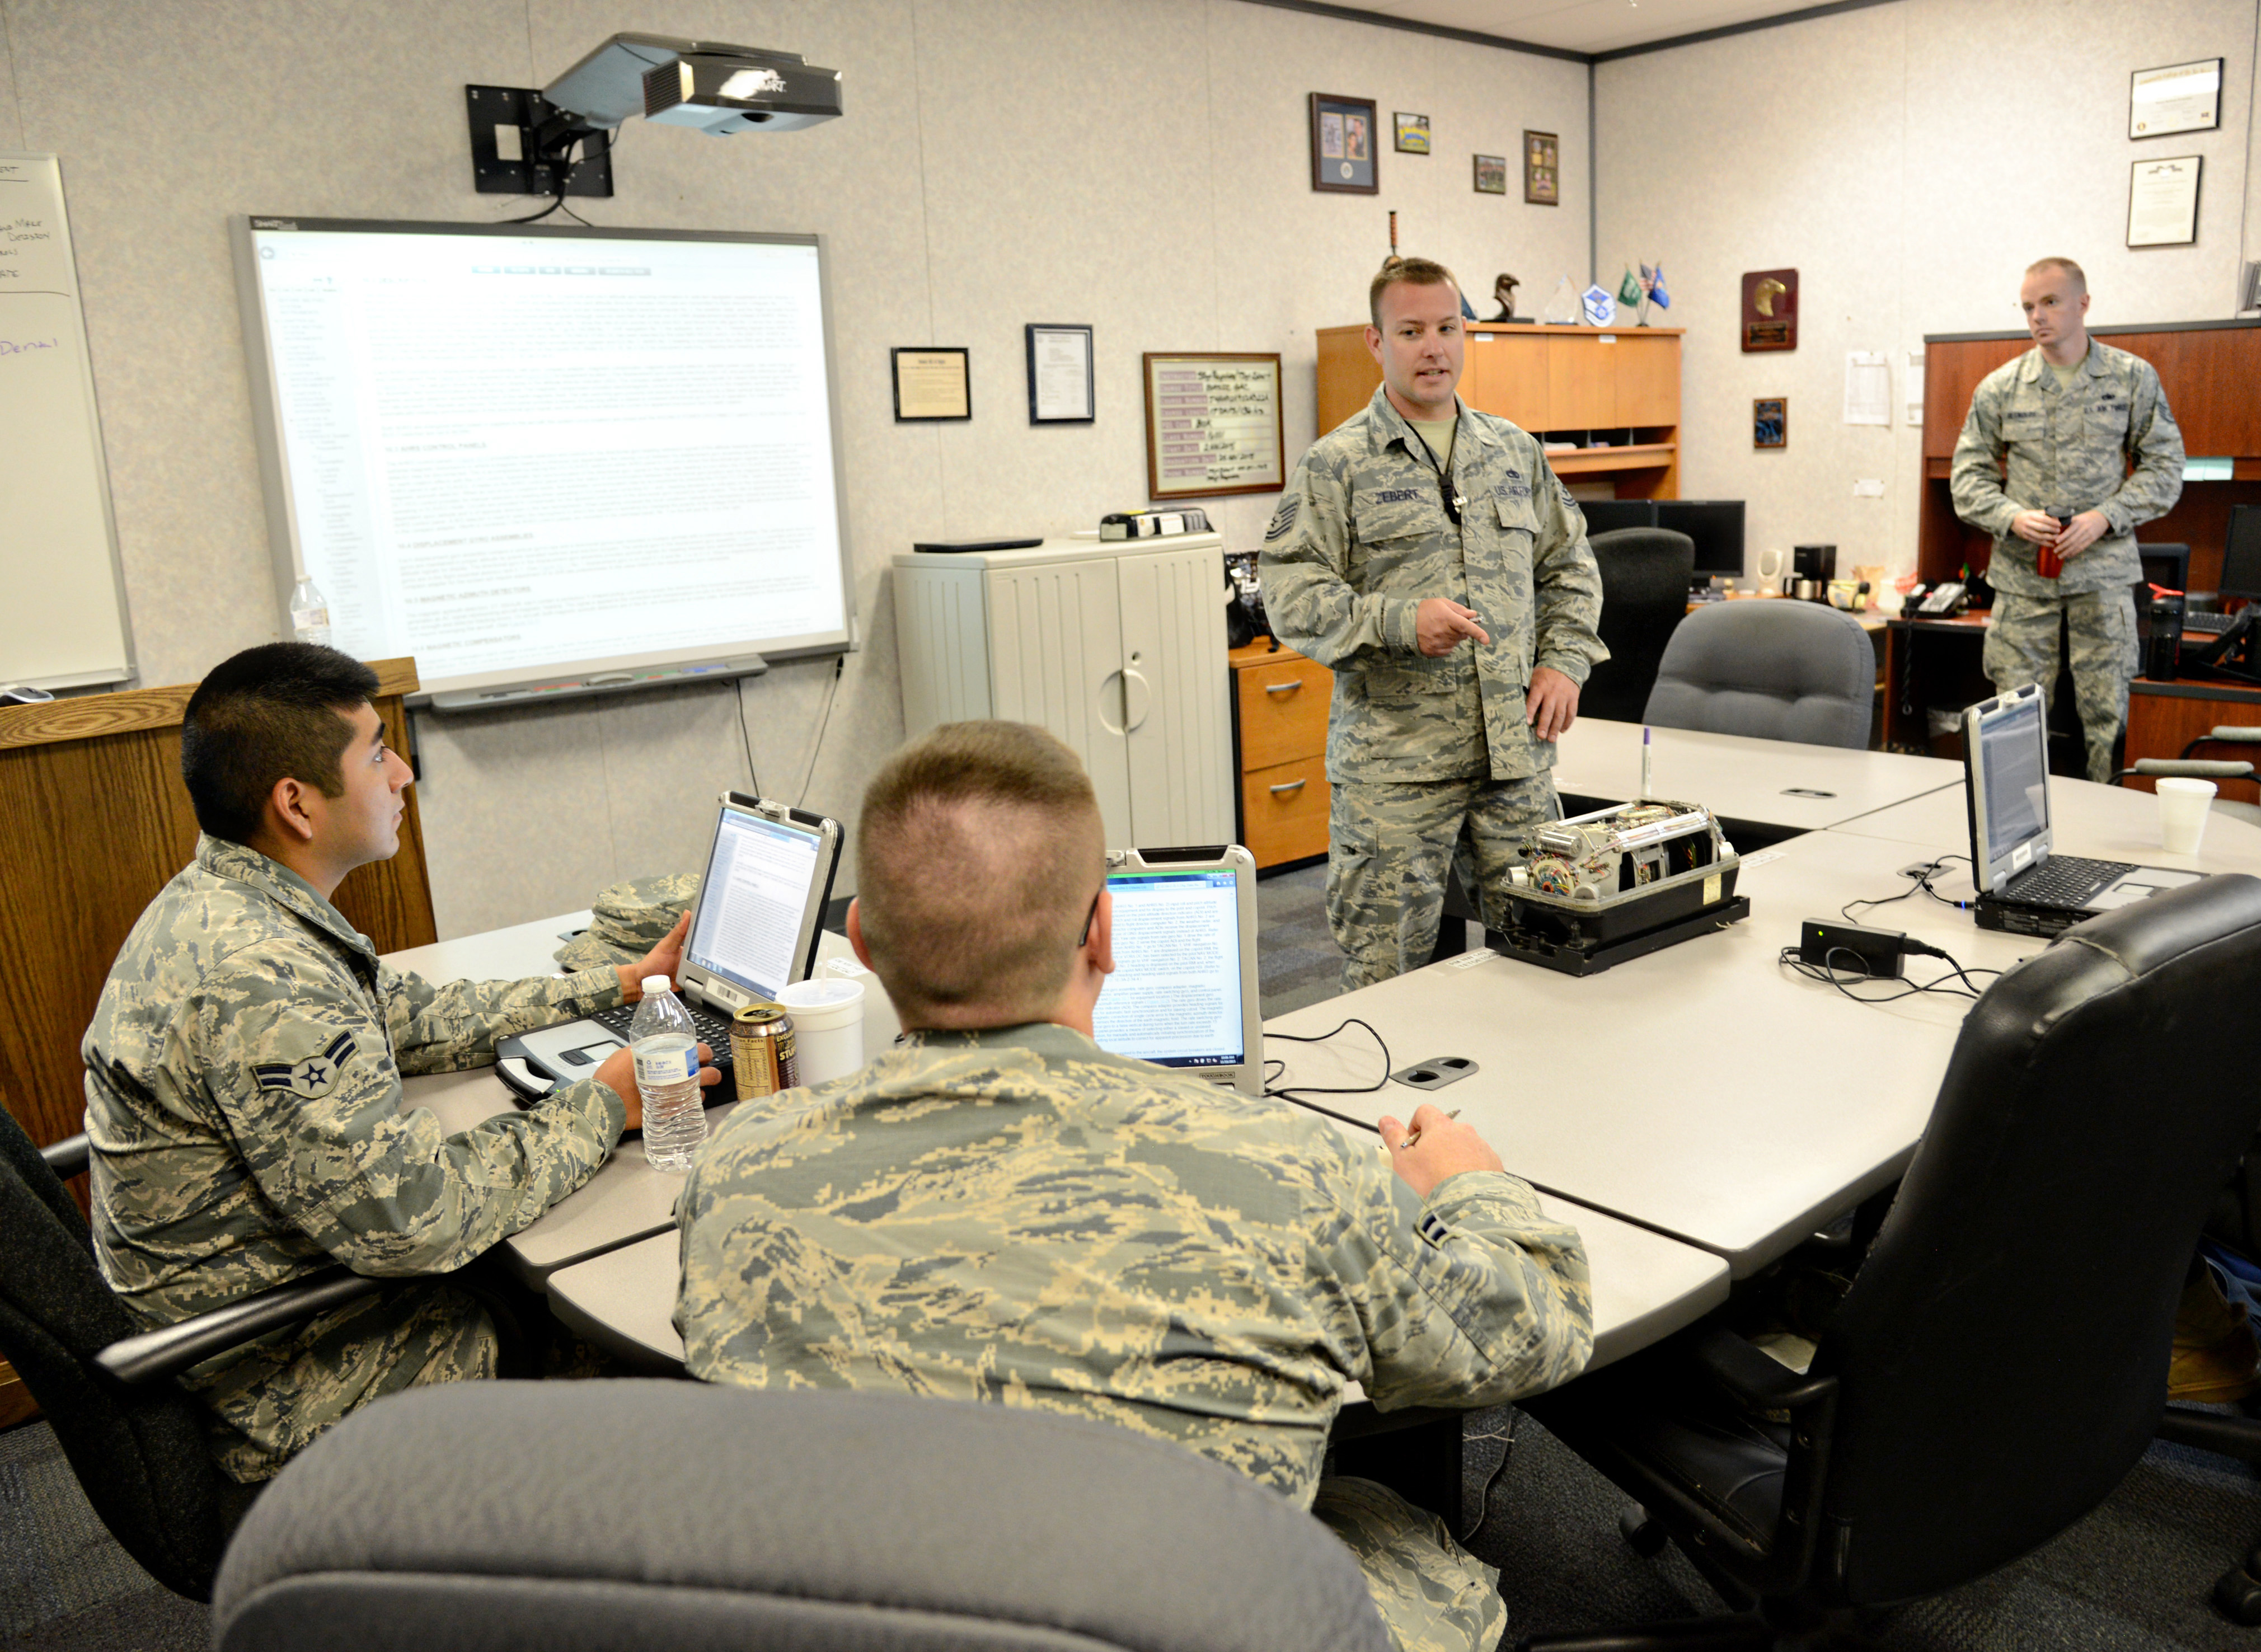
(1909, 160)
(1140, 165)
(11, 115)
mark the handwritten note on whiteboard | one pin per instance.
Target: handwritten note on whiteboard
(66, 622)
(1213, 426)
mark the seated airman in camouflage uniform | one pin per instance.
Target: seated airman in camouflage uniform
(1425, 553)
(2055, 434)
(243, 1074)
(999, 1210)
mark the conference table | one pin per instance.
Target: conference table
(1696, 1113)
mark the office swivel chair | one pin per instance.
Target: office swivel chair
(1778, 671)
(2188, 765)
(134, 1439)
(574, 1516)
(1645, 573)
(1968, 1400)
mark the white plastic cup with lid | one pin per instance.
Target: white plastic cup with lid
(828, 1026)
(2183, 806)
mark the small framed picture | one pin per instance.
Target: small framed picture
(1770, 421)
(1342, 145)
(1060, 375)
(2180, 98)
(1542, 168)
(1491, 175)
(2162, 201)
(931, 385)
(1412, 133)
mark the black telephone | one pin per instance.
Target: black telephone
(1943, 599)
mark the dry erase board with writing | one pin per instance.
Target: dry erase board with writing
(523, 455)
(66, 608)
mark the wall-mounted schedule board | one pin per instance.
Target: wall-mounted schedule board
(1213, 424)
(65, 616)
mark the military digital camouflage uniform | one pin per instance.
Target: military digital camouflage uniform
(243, 1101)
(1430, 760)
(628, 919)
(1017, 1216)
(2069, 449)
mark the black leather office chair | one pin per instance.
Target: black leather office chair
(134, 1439)
(623, 1514)
(2000, 1361)
(1645, 573)
(1776, 671)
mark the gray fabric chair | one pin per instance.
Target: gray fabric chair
(640, 1513)
(1645, 573)
(1779, 671)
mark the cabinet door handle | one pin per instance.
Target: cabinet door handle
(1291, 785)
(1288, 687)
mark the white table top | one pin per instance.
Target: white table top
(1743, 779)
(626, 1199)
(1703, 1090)
(2104, 822)
(1646, 1287)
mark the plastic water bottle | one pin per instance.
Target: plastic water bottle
(310, 614)
(666, 1046)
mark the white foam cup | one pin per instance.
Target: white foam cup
(2183, 805)
(828, 1026)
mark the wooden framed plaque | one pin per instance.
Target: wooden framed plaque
(1542, 170)
(1770, 421)
(1213, 424)
(931, 383)
(1770, 310)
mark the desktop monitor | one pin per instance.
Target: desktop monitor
(2240, 553)
(1606, 516)
(2167, 566)
(1717, 527)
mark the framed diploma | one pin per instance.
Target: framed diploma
(1213, 424)
(931, 383)
(1060, 375)
(2180, 98)
(2162, 202)
(1342, 145)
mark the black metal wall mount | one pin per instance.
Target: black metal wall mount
(507, 119)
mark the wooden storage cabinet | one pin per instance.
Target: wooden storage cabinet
(1543, 379)
(1279, 705)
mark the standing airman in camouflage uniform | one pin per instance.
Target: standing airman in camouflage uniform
(1426, 553)
(998, 1210)
(244, 1066)
(2068, 419)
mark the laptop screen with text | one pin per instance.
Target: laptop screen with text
(1175, 998)
(752, 900)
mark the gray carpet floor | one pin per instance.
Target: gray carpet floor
(2134, 1576)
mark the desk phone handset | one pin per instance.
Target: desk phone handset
(1944, 599)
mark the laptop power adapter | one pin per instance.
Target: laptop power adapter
(1841, 946)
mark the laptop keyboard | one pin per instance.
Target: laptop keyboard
(713, 1029)
(2065, 880)
(2207, 622)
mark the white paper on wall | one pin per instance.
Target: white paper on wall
(1911, 388)
(1868, 388)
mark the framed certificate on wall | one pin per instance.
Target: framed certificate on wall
(1213, 424)
(2162, 201)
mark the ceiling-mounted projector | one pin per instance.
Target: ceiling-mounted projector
(523, 141)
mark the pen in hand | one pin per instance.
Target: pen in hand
(1413, 1136)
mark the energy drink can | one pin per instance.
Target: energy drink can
(762, 1050)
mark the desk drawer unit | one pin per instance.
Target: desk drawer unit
(1280, 701)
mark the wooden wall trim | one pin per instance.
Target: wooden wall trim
(90, 716)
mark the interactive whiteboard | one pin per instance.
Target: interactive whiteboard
(543, 460)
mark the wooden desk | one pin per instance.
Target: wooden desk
(2163, 718)
(1777, 785)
